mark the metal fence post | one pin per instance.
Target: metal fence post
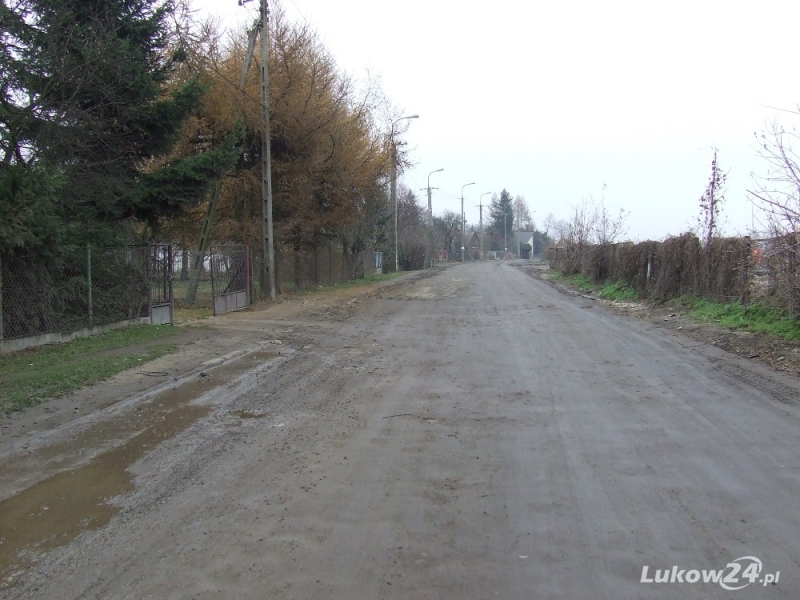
(747, 280)
(89, 282)
(213, 291)
(171, 289)
(251, 289)
(247, 273)
(149, 274)
(1, 303)
(316, 265)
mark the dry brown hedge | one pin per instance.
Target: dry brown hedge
(661, 270)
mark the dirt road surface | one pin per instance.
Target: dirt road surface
(474, 434)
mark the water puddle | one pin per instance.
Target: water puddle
(53, 512)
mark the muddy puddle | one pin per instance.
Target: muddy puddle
(54, 511)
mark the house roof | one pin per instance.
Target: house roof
(526, 237)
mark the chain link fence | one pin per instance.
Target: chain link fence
(192, 279)
(70, 292)
(321, 266)
(93, 287)
(200, 276)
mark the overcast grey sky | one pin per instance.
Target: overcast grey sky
(552, 100)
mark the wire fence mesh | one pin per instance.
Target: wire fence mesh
(229, 269)
(320, 266)
(90, 287)
(82, 289)
(192, 279)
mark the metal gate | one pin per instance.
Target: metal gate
(161, 297)
(230, 277)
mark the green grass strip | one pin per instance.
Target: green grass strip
(30, 376)
(753, 317)
(611, 290)
(618, 291)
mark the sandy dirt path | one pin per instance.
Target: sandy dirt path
(475, 434)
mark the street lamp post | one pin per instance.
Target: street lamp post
(463, 220)
(394, 187)
(480, 207)
(431, 248)
(430, 205)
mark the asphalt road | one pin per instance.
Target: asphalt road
(475, 434)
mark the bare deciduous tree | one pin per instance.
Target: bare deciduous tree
(608, 228)
(412, 228)
(711, 202)
(522, 215)
(777, 192)
(447, 231)
(581, 224)
(558, 228)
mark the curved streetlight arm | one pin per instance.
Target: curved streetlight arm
(430, 204)
(431, 173)
(396, 121)
(462, 204)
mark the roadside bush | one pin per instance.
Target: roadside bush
(673, 268)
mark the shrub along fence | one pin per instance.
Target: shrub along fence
(73, 291)
(727, 270)
(51, 298)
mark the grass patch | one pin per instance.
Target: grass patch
(30, 376)
(612, 290)
(584, 284)
(752, 317)
(618, 291)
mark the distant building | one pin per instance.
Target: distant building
(524, 237)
